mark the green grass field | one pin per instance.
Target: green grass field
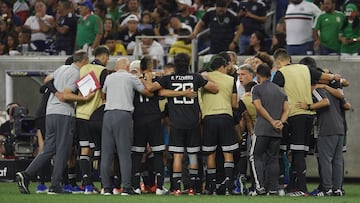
(9, 193)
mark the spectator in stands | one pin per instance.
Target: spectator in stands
(326, 29)
(150, 47)
(299, 23)
(176, 25)
(113, 10)
(253, 17)
(233, 5)
(278, 41)
(24, 40)
(184, 12)
(350, 31)
(145, 21)
(51, 7)
(160, 20)
(21, 9)
(128, 35)
(11, 45)
(7, 12)
(89, 28)
(6, 27)
(115, 47)
(182, 45)
(100, 10)
(224, 27)
(108, 29)
(133, 7)
(257, 44)
(66, 27)
(40, 24)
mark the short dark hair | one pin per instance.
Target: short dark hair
(100, 50)
(264, 70)
(148, 32)
(182, 62)
(217, 61)
(80, 55)
(145, 62)
(265, 58)
(281, 54)
(309, 62)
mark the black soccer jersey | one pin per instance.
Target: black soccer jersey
(183, 111)
(146, 108)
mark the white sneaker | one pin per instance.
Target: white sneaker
(161, 191)
(138, 191)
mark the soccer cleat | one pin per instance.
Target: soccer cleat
(23, 182)
(106, 191)
(138, 191)
(176, 192)
(130, 191)
(117, 191)
(338, 192)
(280, 192)
(260, 191)
(162, 191)
(297, 194)
(57, 190)
(191, 192)
(325, 193)
(314, 192)
(88, 190)
(41, 188)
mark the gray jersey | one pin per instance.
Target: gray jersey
(272, 98)
(120, 88)
(65, 77)
(330, 120)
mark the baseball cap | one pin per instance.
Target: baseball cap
(186, 2)
(350, 9)
(87, 3)
(129, 18)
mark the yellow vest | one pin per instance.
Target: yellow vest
(297, 87)
(220, 103)
(246, 98)
(85, 109)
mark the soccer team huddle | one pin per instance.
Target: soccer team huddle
(218, 123)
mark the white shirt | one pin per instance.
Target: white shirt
(156, 51)
(33, 23)
(299, 20)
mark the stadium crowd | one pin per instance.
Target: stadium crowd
(266, 114)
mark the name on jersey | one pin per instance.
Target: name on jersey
(182, 77)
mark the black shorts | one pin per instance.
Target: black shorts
(86, 138)
(300, 127)
(285, 138)
(181, 138)
(219, 130)
(152, 133)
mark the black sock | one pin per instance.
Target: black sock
(176, 180)
(84, 163)
(159, 169)
(229, 167)
(211, 179)
(193, 177)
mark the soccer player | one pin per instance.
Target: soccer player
(272, 111)
(218, 124)
(147, 129)
(83, 112)
(184, 115)
(296, 81)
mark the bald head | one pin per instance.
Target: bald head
(122, 64)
